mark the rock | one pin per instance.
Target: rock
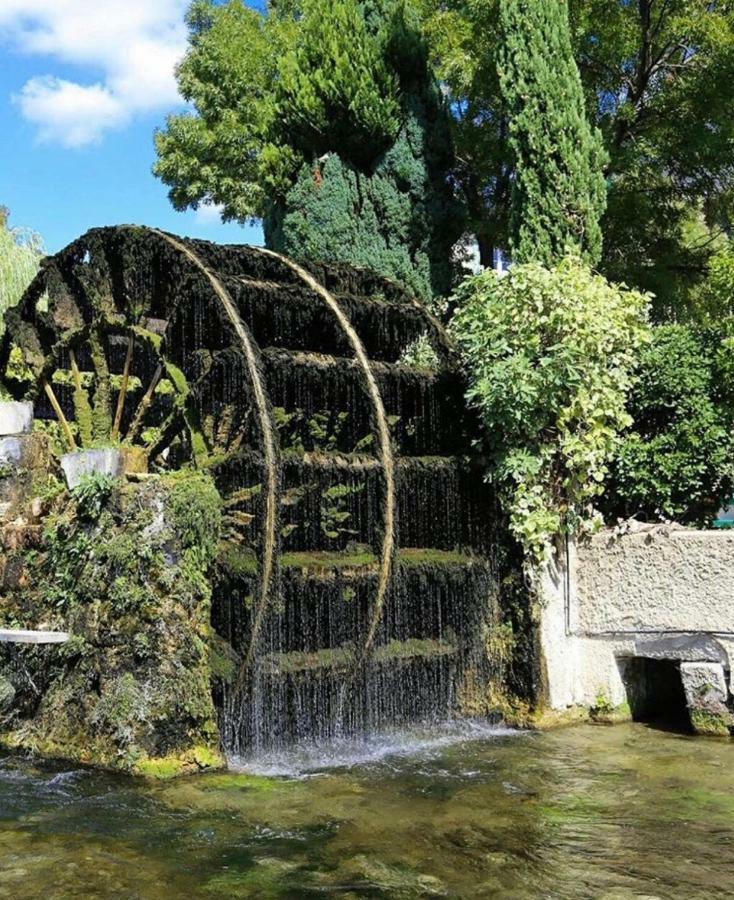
(706, 693)
(15, 418)
(108, 461)
(11, 452)
(19, 535)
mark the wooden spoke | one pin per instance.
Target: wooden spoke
(123, 387)
(68, 434)
(169, 430)
(75, 370)
(144, 406)
(102, 403)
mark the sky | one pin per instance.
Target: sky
(83, 86)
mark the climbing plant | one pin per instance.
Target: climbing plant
(550, 354)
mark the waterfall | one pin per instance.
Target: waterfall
(386, 586)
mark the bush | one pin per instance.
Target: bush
(549, 355)
(677, 461)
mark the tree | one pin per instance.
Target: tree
(657, 77)
(550, 354)
(327, 123)
(21, 252)
(558, 190)
(384, 205)
(662, 71)
(677, 460)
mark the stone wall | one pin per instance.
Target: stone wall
(668, 580)
(662, 593)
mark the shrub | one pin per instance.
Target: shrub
(677, 461)
(549, 354)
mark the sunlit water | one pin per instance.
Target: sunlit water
(586, 812)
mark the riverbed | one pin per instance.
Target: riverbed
(582, 812)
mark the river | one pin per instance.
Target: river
(582, 812)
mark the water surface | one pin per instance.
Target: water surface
(583, 812)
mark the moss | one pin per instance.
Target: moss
(236, 561)
(422, 556)
(490, 698)
(340, 658)
(547, 719)
(324, 559)
(705, 722)
(196, 509)
(178, 379)
(197, 759)
(605, 713)
(134, 684)
(222, 660)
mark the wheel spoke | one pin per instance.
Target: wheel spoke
(123, 387)
(60, 415)
(144, 406)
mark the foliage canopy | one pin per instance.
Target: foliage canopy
(677, 460)
(657, 79)
(322, 118)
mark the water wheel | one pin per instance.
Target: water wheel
(359, 535)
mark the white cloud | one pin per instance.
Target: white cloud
(209, 213)
(130, 48)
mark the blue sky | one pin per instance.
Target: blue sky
(83, 85)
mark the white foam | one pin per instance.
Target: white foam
(305, 760)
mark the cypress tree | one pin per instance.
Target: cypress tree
(558, 192)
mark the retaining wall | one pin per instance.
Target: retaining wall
(656, 593)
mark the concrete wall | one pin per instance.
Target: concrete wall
(660, 593)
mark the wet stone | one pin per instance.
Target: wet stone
(706, 693)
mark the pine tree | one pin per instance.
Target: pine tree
(558, 192)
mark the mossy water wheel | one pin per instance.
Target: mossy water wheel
(358, 531)
(90, 343)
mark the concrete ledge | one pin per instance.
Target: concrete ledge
(15, 417)
(19, 636)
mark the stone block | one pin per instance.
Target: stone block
(15, 418)
(12, 451)
(706, 693)
(24, 459)
(107, 461)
